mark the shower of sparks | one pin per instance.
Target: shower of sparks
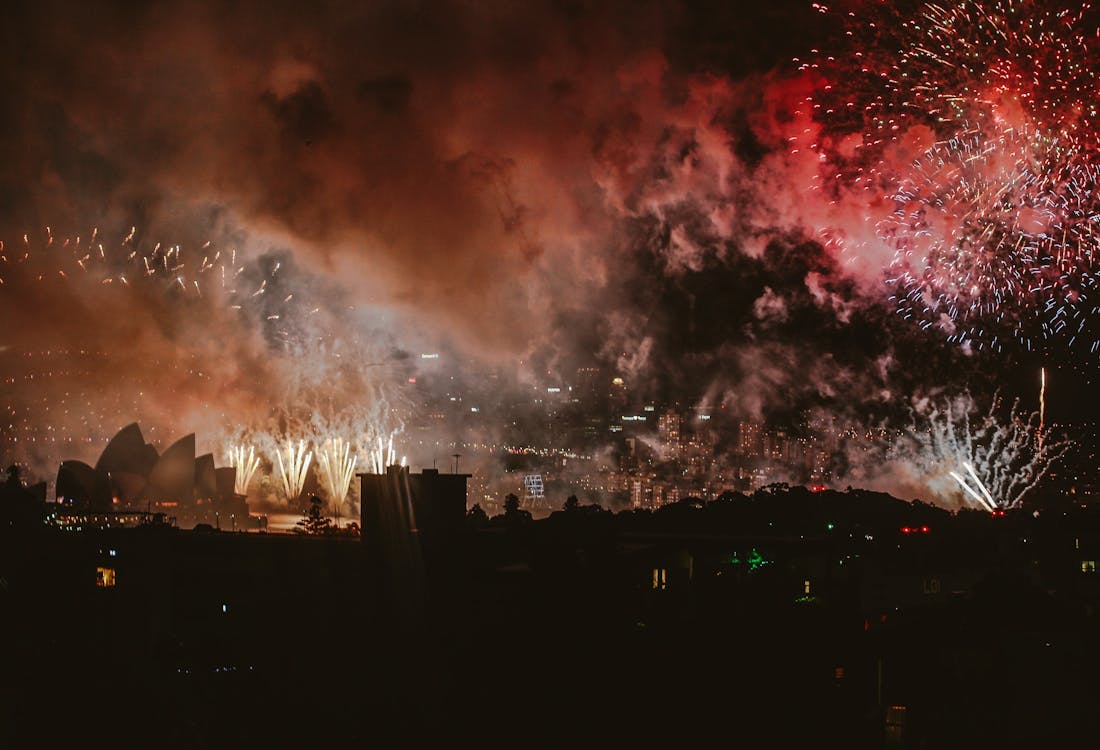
(337, 464)
(994, 222)
(293, 461)
(179, 273)
(310, 417)
(984, 498)
(995, 460)
(383, 454)
(246, 465)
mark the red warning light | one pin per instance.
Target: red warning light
(905, 529)
(924, 529)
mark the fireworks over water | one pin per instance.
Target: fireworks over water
(246, 465)
(337, 464)
(319, 255)
(293, 461)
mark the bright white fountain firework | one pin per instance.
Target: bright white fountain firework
(992, 461)
(293, 460)
(337, 469)
(383, 454)
(246, 465)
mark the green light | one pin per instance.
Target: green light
(830, 526)
(756, 560)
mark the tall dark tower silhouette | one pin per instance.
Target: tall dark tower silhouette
(412, 532)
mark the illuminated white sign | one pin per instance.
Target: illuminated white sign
(534, 486)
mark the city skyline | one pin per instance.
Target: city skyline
(565, 373)
(466, 207)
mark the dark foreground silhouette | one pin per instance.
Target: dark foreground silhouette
(792, 620)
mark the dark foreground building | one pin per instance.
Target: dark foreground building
(788, 619)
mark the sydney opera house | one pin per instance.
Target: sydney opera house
(132, 477)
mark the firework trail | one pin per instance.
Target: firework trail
(246, 465)
(337, 464)
(993, 225)
(123, 262)
(1042, 406)
(995, 462)
(383, 454)
(293, 461)
(177, 272)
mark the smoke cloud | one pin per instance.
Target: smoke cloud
(528, 188)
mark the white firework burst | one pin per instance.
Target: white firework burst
(293, 460)
(337, 464)
(382, 453)
(246, 465)
(993, 461)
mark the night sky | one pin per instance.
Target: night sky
(528, 188)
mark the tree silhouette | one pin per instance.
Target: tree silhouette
(513, 515)
(315, 521)
(571, 504)
(476, 517)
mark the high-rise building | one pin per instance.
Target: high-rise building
(668, 429)
(642, 493)
(617, 396)
(777, 446)
(629, 459)
(586, 389)
(749, 439)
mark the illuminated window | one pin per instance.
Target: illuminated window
(104, 577)
(806, 586)
(1088, 566)
(660, 579)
